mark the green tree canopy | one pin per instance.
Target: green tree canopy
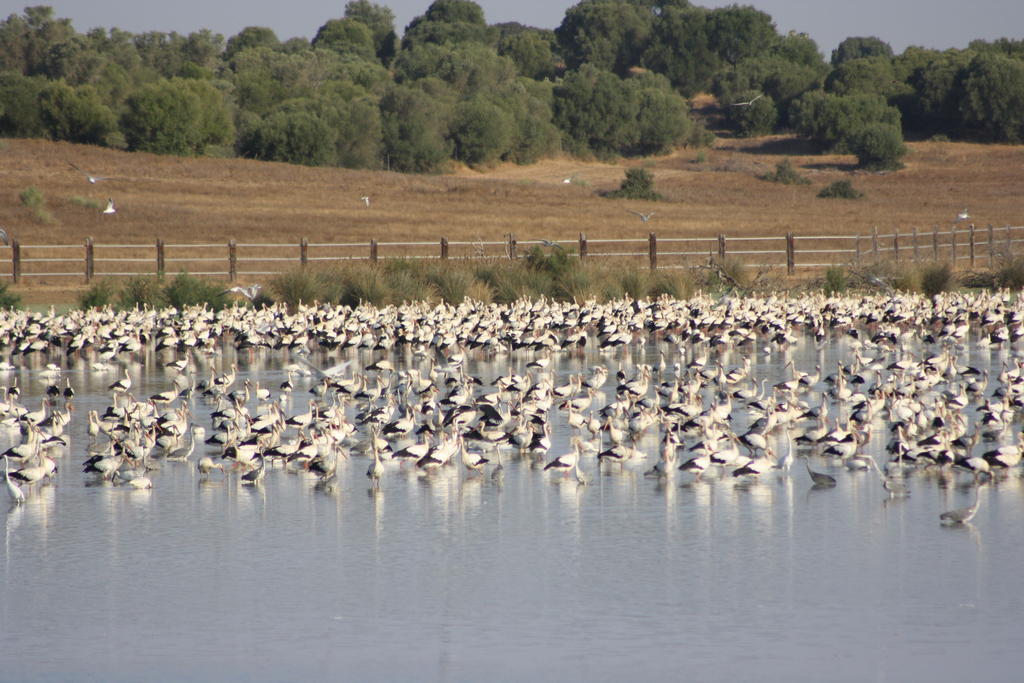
(381, 22)
(250, 37)
(857, 47)
(449, 21)
(176, 116)
(993, 103)
(607, 34)
(75, 114)
(347, 37)
(831, 120)
(680, 48)
(531, 50)
(415, 119)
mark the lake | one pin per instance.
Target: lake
(451, 576)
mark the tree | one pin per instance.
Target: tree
(831, 120)
(938, 92)
(250, 37)
(638, 184)
(736, 33)
(346, 36)
(864, 74)
(448, 21)
(679, 47)
(20, 97)
(662, 119)
(75, 114)
(757, 118)
(26, 40)
(176, 116)
(857, 47)
(595, 111)
(381, 22)
(878, 146)
(993, 101)
(607, 34)
(294, 132)
(482, 132)
(531, 51)
(414, 125)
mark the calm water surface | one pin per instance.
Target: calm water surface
(450, 577)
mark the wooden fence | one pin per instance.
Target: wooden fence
(961, 246)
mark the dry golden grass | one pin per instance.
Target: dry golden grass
(213, 200)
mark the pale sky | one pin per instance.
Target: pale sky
(933, 23)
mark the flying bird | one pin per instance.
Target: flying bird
(643, 216)
(90, 177)
(962, 216)
(4, 237)
(110, 206)
(549, 243)
(366, 200)
(748, 102)
(569, 180)
(250, 292)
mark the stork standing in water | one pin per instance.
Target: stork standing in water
(13, 490)
(963, 515)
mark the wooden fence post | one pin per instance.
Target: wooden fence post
(1009, 243)
(721, 247)
(160, 261)
(15, 261)
(303, 252)
(652, 249)
(935, 241)
(232, 261)
(857, 250)
(512, 246)
(373, 250)
(583, 246)
(970, 243)
(991, 245)
(914, 232)
(90, 262)
(896, 243)
(952, 245)
(874, 242)
(444, 247)
(790, 254)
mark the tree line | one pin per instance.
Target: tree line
(612, 79)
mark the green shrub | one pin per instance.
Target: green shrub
(101, 293)
(299, 285)
(835, 280)
(786, 174)
(878, 147)
(140, 291)
(554, 261)
(730, 273)
(32, 197)
(576, 285)
(638, 184)
(1010, 273)
(635, 282)
(937, 278)
(451, 284)
(678, 284)
(86, 202)
(188, 290)
(9, 299)
(840, 189)
(365, 284)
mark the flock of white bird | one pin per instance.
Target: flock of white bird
(419, 407)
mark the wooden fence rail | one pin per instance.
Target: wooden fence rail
(962, 246)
